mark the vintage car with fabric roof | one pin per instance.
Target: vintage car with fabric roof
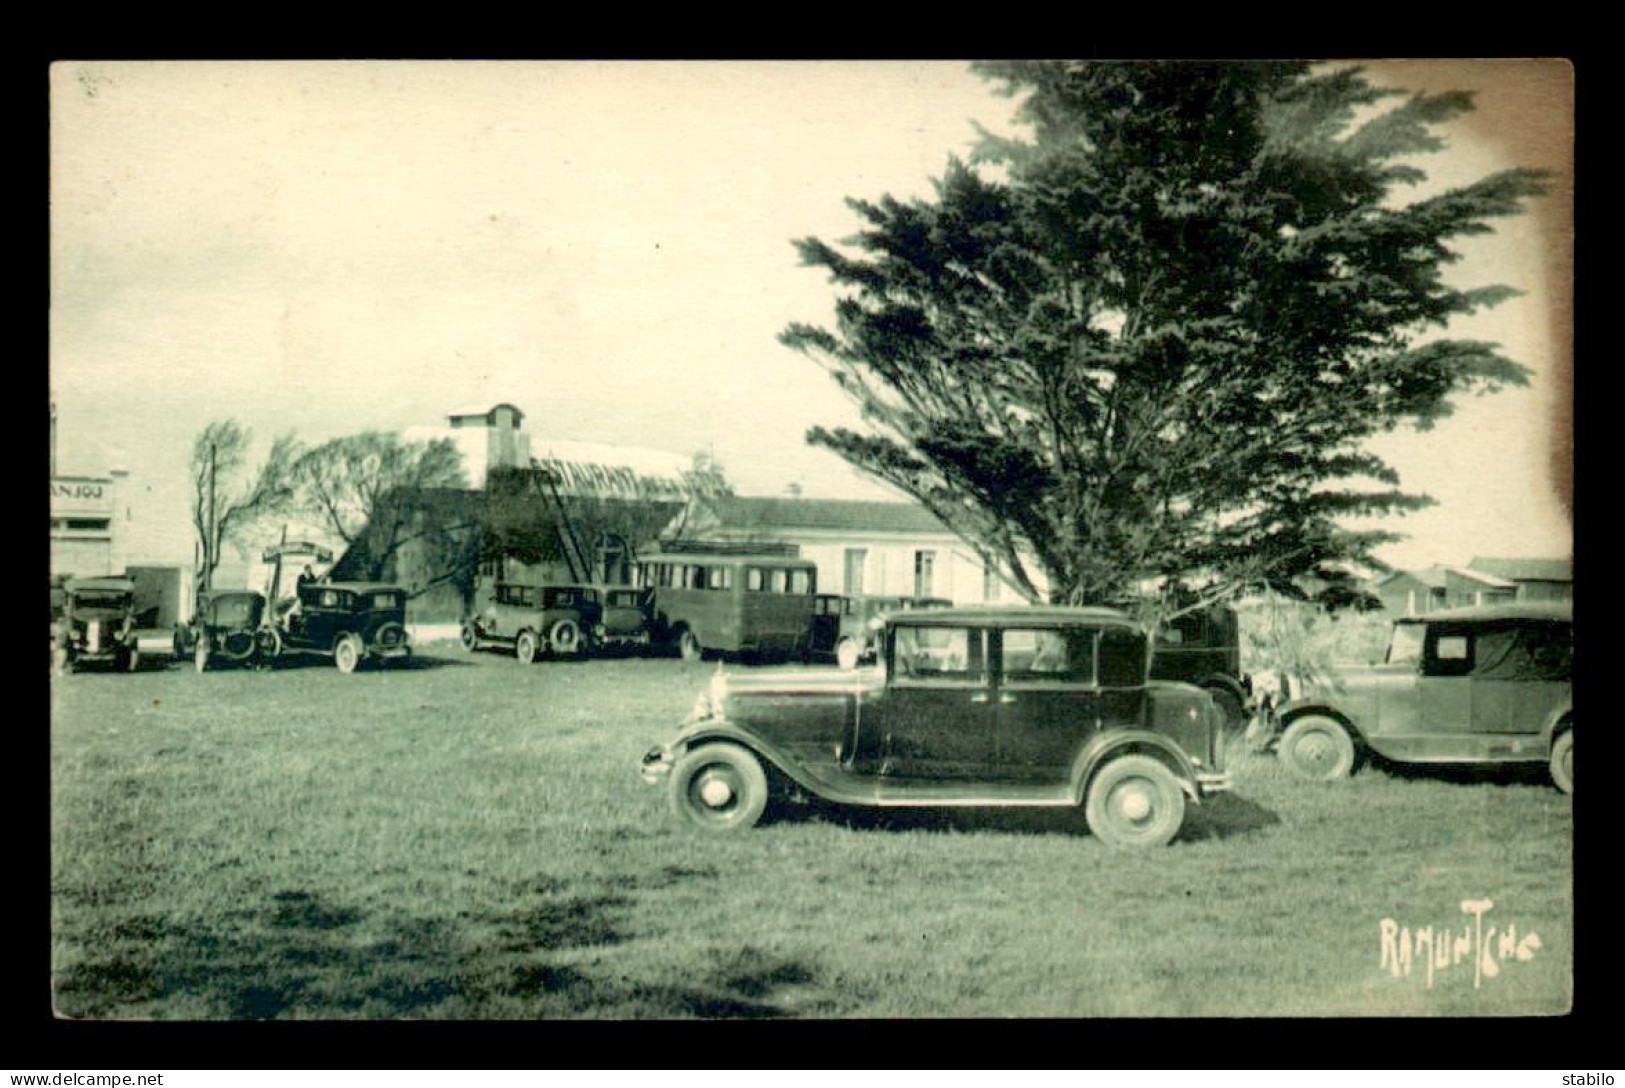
(96, 624)
(230, 626)
(627, 615)
(351, 622)
(1487, 684)
(966, 707)
(537, 620)
(843, 627)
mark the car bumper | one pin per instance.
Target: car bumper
(402, 650)
(1211, 782)
(657, 764)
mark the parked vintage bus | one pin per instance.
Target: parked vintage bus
(714, 601)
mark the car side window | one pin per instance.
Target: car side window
(951, 654)
(1448, 653)
(1051, 656)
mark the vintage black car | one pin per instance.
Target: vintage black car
(351, 622)
(96, 624)
(972, 707)
(626, 618)
(1202, 646)
(845, 628)
(559, 621)
(1489, 684)
(230, 626)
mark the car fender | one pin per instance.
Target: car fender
(1109, 745)
(1293, 709)
(716, 729)
(1228, 683)
(1561, 717)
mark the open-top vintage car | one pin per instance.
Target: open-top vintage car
(846, 627)
(1488, 684)
(559, 621)
(229, 626)
(970, 707)
(96, 623)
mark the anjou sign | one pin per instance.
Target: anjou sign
(69, 490)
(90, 496)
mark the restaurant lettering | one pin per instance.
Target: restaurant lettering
(75, 491)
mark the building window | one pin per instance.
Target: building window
(924, 573)
(855, 560)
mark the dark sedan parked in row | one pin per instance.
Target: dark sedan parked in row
(970, 707)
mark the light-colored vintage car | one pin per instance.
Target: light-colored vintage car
(967, 707)
(1488, 684)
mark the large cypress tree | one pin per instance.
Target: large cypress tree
(1151, 338)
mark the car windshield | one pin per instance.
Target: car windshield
(100, 600)
(1405, 647)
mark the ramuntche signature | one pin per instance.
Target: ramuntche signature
(1436, 949)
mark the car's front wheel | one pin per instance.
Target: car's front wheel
(524, 648)
(719, 787)
(1135, 801)
(470, 637)
(847, 652)
(348, 653)
(1318, 748)
(1562, 763)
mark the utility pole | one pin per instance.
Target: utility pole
(213, 544)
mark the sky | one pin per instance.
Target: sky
(335, 247)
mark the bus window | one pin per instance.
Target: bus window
(779, 580)
(718, 578)
(754, 580)
(801, 582)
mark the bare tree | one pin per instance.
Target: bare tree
(374, 492)
(228, 497)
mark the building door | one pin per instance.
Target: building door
(856, 558)
(924, 573)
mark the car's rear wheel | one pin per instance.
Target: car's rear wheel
(719, 787)
(688, 645)
(564, 637)
(1318, 748)
(847, 652)
(524, 648)
(1135, 801)
(348, 653)
(470, 637)
(1562, 762)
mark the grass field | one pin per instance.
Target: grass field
(469, 838)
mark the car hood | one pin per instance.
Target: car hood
(725, 691)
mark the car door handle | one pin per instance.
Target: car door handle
(979, 697)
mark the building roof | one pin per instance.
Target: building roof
(1511, 610)
(485, 410)
(1014, 615)
(1526, 570)
(599, 468)
(839, 515)
(1435, 577)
